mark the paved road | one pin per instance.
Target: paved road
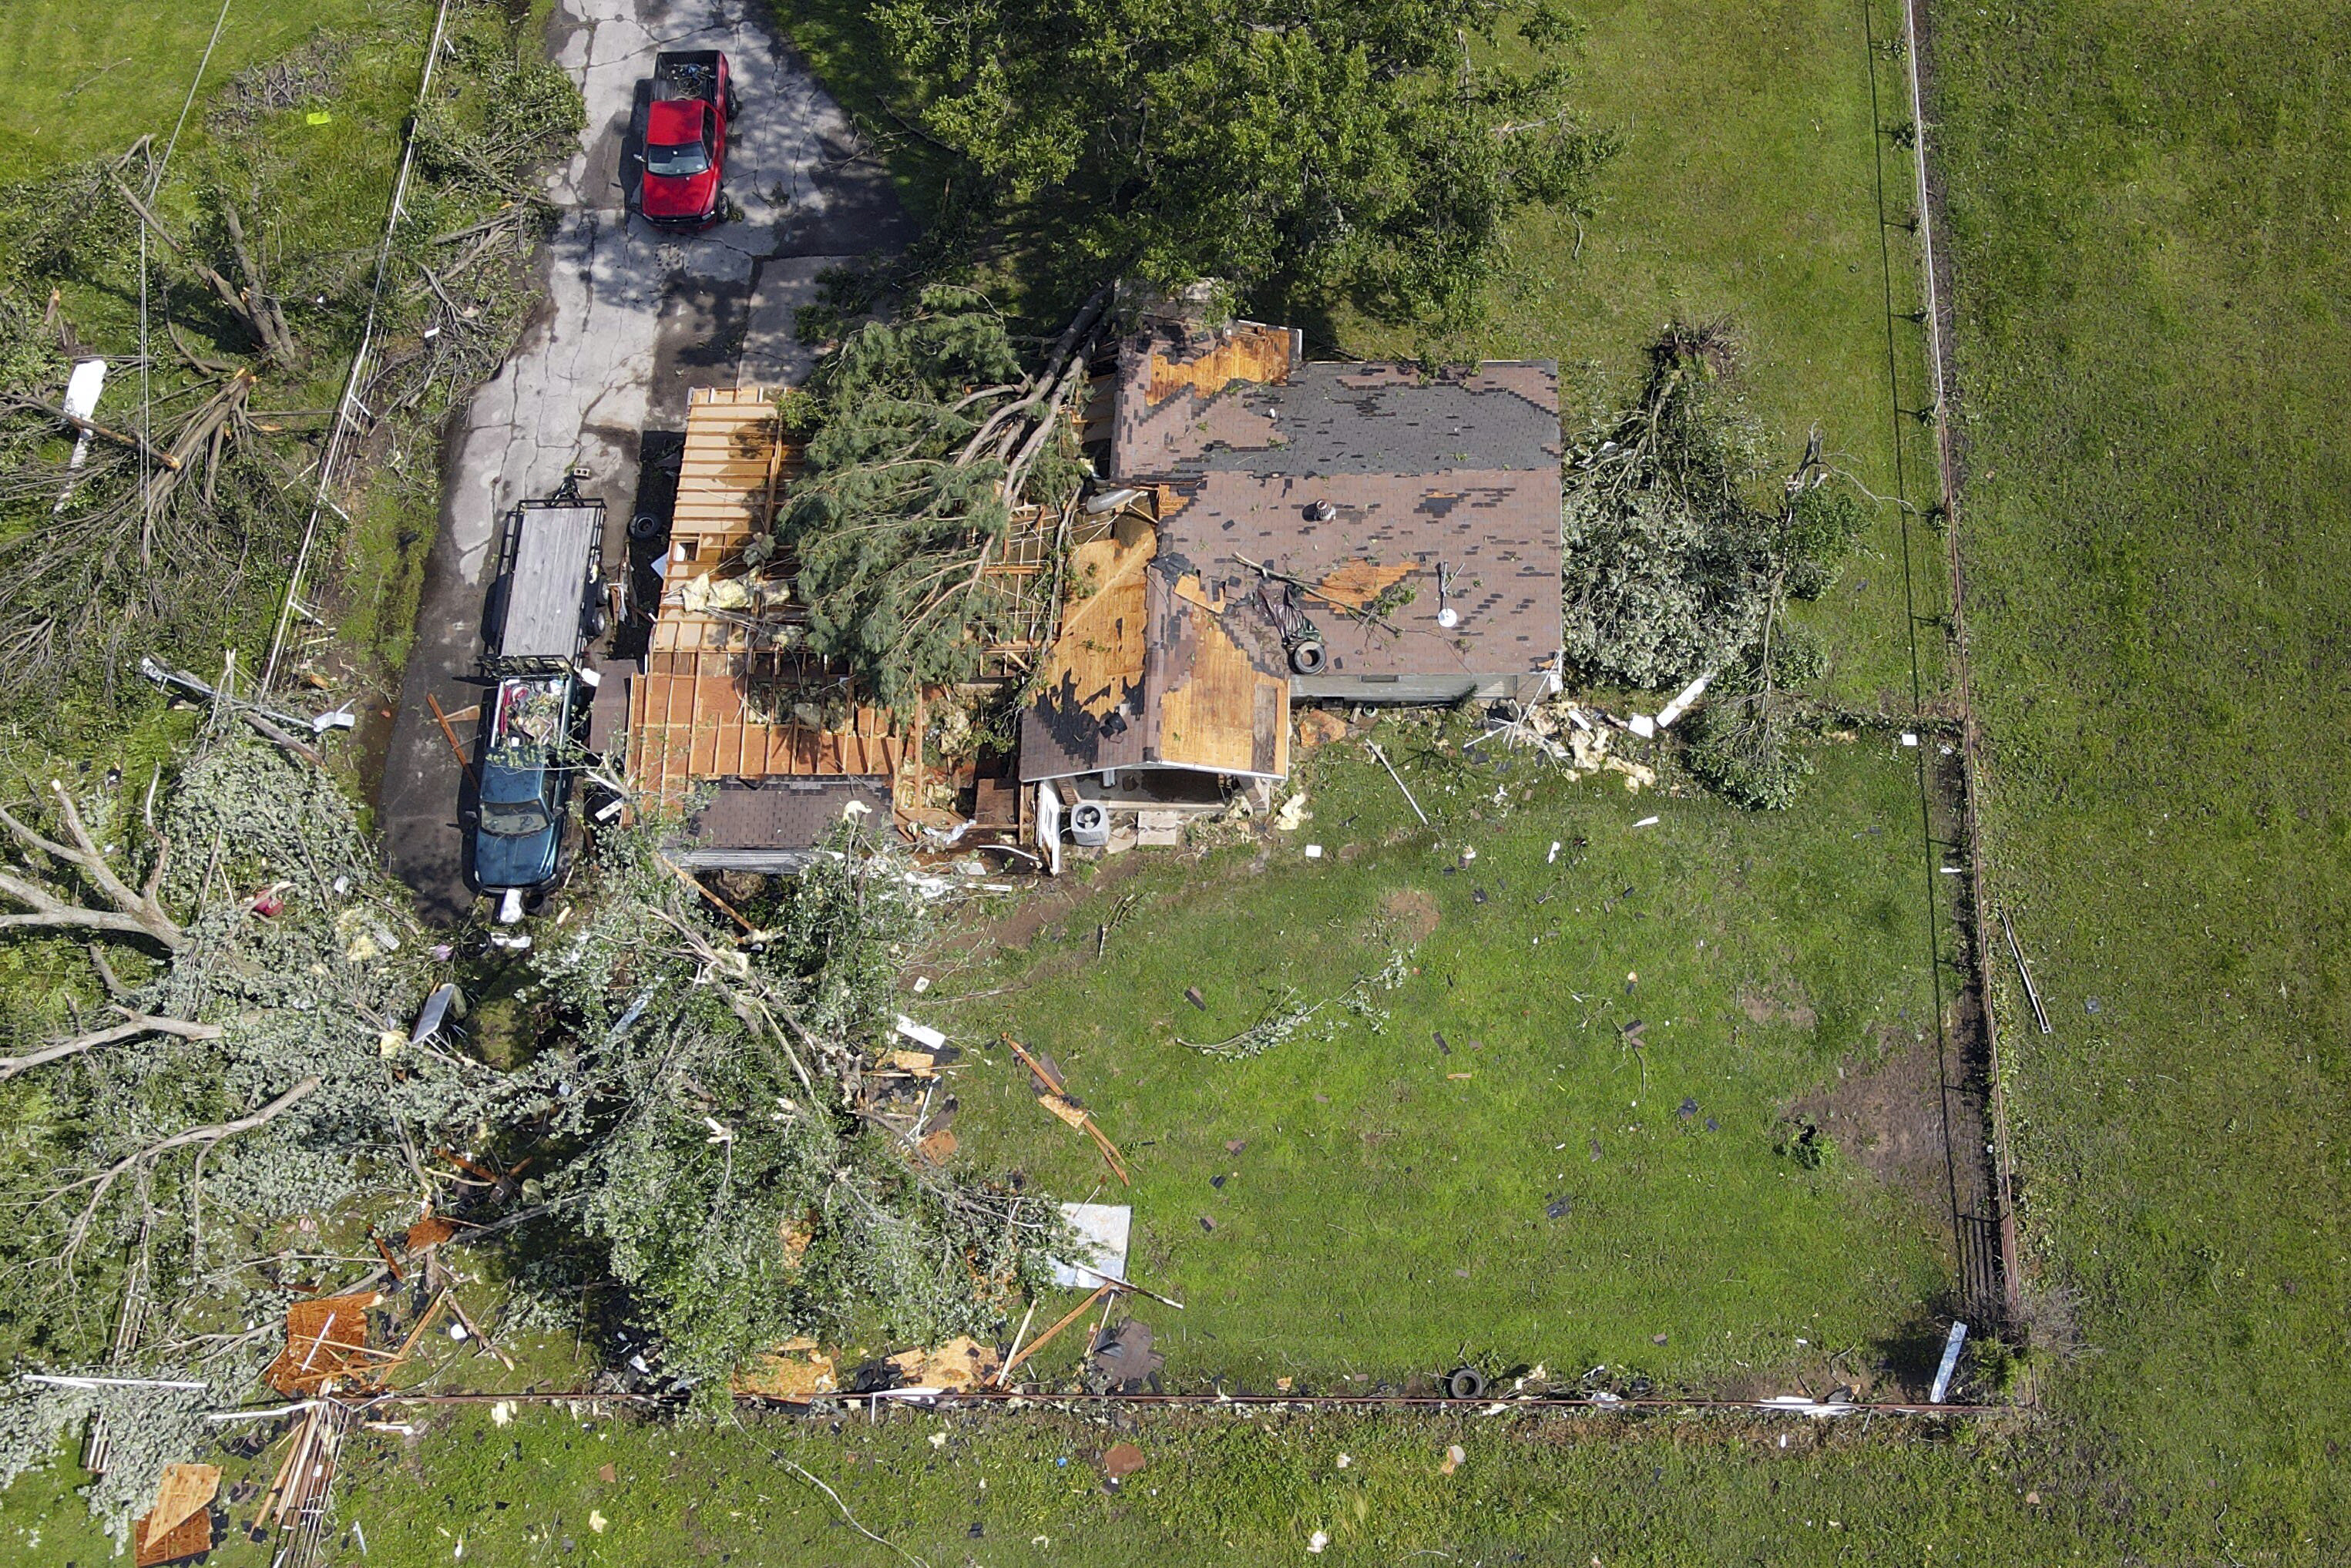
(632, 318)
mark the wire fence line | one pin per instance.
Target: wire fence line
(1939, 308)
(348, 411)
(1984, 1245)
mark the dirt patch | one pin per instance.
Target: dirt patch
(1887, 1118)
(1762, 1008)
(1414, 911)
(1048, 901)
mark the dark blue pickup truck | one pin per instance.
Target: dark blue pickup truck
(548, 603)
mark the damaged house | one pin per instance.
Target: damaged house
(1283, 532)
(731, 716)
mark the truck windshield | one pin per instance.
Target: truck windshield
(677, 163)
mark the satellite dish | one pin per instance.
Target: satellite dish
(1448, 617)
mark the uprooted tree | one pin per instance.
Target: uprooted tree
(1681, 558)
(1374, 148)
(172, 528)
(922, 434)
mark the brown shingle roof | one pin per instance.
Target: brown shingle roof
(1459, 469)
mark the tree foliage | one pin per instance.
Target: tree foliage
(727, 1160)
(1678, 562)
(914, 430)
(1375, 147)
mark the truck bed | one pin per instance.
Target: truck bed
(685, 74)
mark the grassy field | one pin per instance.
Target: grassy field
(1029, 1488)
(2157, 529)
(78, 79)
(1494, 1167)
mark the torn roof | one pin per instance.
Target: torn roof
(1152, 669)
(1245, 442)
(723, 695)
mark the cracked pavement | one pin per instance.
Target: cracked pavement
(632, 317)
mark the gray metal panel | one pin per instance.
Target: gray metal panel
(546, 588)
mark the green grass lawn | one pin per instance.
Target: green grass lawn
(81, 79)
(1393, 1199)
(1028, 1487)
(2150, 213)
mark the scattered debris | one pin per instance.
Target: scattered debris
(1455, 1458)
(2031, 992)
(1054, 1096)
(795, 1372)
(326, 1343)
(1042, 1340)
(179, 1525)
(1121, 1460)
(1382, 758)
(958, 1366)
(1125, 1361)
(1318, 727)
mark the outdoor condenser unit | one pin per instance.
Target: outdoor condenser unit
(1090, 824)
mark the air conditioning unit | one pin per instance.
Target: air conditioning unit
(1090, 824)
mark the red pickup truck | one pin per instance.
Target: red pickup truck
(686, 138)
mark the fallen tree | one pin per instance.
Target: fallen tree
(1678, 562)
(923, 436)
(731, 1165)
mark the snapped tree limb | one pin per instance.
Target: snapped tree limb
(136, 911)
(134, 1024)
(207, 1136)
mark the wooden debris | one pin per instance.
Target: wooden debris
(430, 1232)
(179, 1525)
(1055, 1099)
(326, 1342)
(794, 1235)
(795, 1372)
(960, 1365)
(1042, 1340)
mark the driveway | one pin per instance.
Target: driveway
(632, 318)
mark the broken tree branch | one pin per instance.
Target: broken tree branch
(134, 1024)
(138, 912)
(248, 312)
(90, 427)
(212, 1134)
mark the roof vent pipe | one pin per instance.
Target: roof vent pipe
(1322, 511)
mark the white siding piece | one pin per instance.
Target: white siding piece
(1682, 700)
(921, 1034)
(1950, 1362)
(1098, 1254)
